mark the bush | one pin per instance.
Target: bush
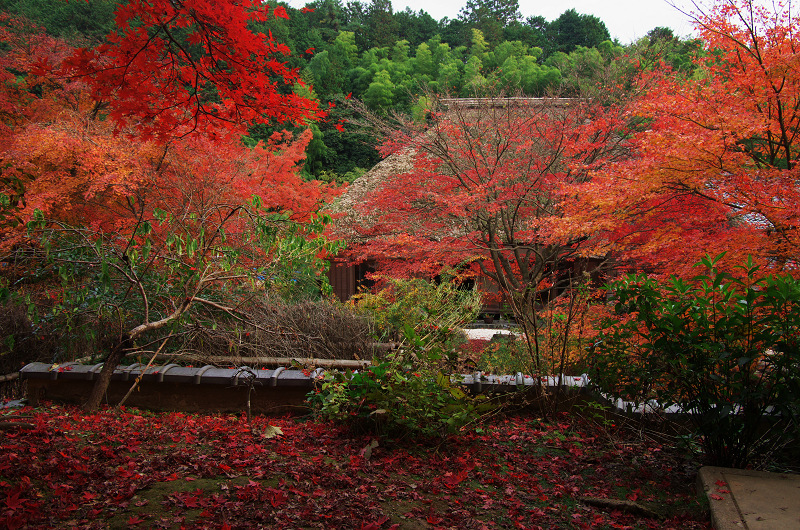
(501, 355)
(436, 312)
(403, 395)
(45, 319)
(725, 349)
(84, 292)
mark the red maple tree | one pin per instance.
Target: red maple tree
(171, 68)
(716, 167)
(487, 191)
(165, 187)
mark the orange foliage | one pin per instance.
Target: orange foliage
(26, 90)
(181, 81)
(62, 158)
(717, 167)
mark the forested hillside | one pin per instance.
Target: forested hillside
(368, 51)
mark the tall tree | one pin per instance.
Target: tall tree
(188, 245)
(503, 11)
(487, 189)
(326, 16)
(28, 95)
(490, 16)
(381, 23)
(573, 29)
(416, 28)
(74, 21)
(717, 165)
(159, 213)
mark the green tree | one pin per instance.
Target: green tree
(455, 32)
(474, 81)
(89, 19)
(400, 52)
(450, 76)
(382, 26)
(660, 45)
(423, 61)
(509, 73)
(415, 27)
(360, 78)
(585, 70)
(479, 48)
(380, 94)
(356, 19)
(504, 11)
(344, 46)
(532, 32)
(326, 17)
(572, 29)
(537, 79)
(490, 16)
(327, 79)
(503, 51)
(317, 153)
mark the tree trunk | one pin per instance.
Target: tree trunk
(103, 380)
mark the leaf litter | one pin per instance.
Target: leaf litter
(138, 469)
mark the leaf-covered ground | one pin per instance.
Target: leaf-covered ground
(131, 468)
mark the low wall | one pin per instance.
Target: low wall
(173, 387)
(208, 388)
(174, 396)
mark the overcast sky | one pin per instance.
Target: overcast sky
(626, 20)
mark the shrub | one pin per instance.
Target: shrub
(724, 348)
(44, 318)
(403, 395)
(435, 312)
(504, 356)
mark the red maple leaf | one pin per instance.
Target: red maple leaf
(280, 12)
(277, 498)
(451, 480)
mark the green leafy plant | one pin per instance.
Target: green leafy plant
(403, 395)
(506, 356)
(434, 311)
(725, 348)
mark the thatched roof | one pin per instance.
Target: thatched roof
(345, 209)
(482, 103)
